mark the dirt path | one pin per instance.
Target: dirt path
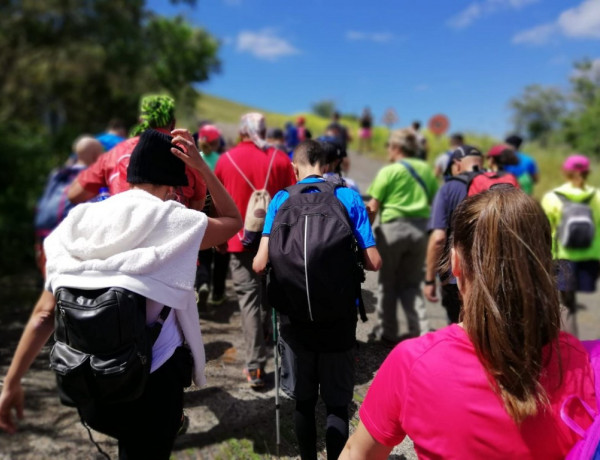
(227, 419)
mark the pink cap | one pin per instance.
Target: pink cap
(579, 163)
(497, 150)
(209, 132)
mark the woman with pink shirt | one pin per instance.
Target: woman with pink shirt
(492, 386)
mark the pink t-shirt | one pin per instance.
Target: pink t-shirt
(435, 390)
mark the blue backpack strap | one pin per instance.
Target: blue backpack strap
(415, 175)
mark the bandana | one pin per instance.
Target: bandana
(252, 125)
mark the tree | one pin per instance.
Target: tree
(77, 63)
(538, 111)
(68, 66)
(324, 108)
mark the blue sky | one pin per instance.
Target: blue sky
(465, 59)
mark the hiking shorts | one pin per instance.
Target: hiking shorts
(304, 372)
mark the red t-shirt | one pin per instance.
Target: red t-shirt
(435, 390)
(254, 162)
(111, 171)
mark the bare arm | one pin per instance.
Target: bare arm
(362, 445)
(262, 256)
(372, 258)
(229, 220)
(435, 246)
(77, 194)
(37, 331)
(373, 208)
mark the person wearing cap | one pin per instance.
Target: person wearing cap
(401, 194)
(157, 112)
(463, 160)
(578, 268)
(249, 161)
(143, 241)
(500, 157)
(526, 170)
(209, 140)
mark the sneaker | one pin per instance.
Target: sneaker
(202, 296)
(254, 377)
(185, 423)
(216, 301)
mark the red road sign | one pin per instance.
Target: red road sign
(438, 124)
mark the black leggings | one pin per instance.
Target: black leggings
(336, 433)
(146, 428)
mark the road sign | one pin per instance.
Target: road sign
(438, 124)
(390, 117)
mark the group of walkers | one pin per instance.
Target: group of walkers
(296, 236)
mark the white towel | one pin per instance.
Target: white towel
(136, 241)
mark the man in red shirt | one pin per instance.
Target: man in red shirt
(156, 112)
(249, 162)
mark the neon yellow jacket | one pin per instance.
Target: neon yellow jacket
(553, 208)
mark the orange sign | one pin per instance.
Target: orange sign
(438, 124)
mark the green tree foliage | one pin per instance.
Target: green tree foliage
(68, 66)
(582, 126)
(324, 108)
(538, 111)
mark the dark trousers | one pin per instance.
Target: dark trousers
(212, 270)
(451, 302)
(146, 428)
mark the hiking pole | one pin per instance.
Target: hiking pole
(276, 357)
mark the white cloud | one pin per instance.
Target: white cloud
(484, 8)
(582, 21)
(537, 35)
(265, 44)
(377, 37)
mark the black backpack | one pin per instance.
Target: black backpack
(103, 348)
(316, 265)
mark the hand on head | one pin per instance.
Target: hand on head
(186, 148)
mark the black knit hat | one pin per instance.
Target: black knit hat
(152, 162)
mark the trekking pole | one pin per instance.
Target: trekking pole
(276, 357)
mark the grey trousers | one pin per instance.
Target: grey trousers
(402, 244)
(252, 299)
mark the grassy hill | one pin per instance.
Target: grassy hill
(549, 158)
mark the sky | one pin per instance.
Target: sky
(465, 59)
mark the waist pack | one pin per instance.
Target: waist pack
(256, 209)
(103, 348)
(315, 262)
(588, 447)
(576, 229)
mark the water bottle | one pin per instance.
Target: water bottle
(102, 194)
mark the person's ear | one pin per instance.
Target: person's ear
(456, 262)
(296, 172)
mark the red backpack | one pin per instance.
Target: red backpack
(480, 181)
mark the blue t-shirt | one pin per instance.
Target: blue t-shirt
(348, 197)
(526, 165)
(447, 199)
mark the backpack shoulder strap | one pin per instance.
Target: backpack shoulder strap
(241, 172)
(565, 199)
(415, 175)
(154, 329)
(275, 151)
(321, 186)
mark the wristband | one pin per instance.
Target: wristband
(429, 282)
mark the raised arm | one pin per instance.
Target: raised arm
(228, 221)
(37, 331)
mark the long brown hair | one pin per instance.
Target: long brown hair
(511, 307)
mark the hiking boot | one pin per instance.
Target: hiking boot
(254, 377)
(202, 296)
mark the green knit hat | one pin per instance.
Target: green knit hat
(156, 111)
